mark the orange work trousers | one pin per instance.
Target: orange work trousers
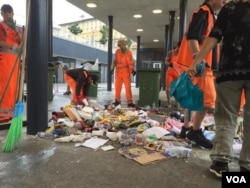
(206, 84)
(172, 74)
(123, 76)
(72, 84)
(10, 95)
(242, 101)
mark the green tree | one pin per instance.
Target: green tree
(75, 29)
(104, 32)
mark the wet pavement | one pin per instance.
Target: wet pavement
(43, 163)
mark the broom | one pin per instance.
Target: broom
(16, 127)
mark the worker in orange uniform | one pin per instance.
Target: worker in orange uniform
(10, 40)
(173, 70)
(124, 67)
(64, 67)
(201, 23)
(79, 81)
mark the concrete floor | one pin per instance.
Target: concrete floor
(43, 163)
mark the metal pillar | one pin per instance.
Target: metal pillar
(37, 67)
(138, 60)
(171, 28)
(183, 18)
(110, 39)
(166, 49)
(50, 29)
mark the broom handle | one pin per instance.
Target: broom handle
(11, 72)
(24, 52)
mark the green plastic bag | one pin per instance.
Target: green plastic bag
(188, 95)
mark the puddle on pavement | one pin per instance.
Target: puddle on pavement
(25, 162)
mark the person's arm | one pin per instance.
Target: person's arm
(132, 64)
(215, 36)
(196, 31)
(194, 47)
(168, 58)
(113, 64)
(79, 83)
(197, 26)
(19, 35)
(3, 44)
(208, 45)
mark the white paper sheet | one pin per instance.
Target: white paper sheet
(94, 143)
(157, 131)
(107, 148)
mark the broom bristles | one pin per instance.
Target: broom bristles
(16, 129)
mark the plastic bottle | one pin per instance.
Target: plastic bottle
(45, 135)
(209, 134)
(126, 137)
(139, 139)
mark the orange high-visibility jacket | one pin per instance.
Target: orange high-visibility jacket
(7, 60)
(173, 58)
(184, 54)
(124, 60)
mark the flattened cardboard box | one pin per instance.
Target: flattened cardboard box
(142, 155)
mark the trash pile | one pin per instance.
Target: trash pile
(134, 130)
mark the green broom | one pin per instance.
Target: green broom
(16, 127)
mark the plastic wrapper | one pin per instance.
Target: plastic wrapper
(178, 151)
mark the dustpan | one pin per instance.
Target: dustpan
(186, 93)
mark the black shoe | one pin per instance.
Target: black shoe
(243, 169)
(116, 103)
(67, 93)
(184, 131)
(132, 105)
(198, 137)
(218, 167)
(175, 114)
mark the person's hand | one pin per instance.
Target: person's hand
(85, 102)
(200, 69)
(134, 73)
(112, 71)
(16, 49)
(19, 34)
(191, 71)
